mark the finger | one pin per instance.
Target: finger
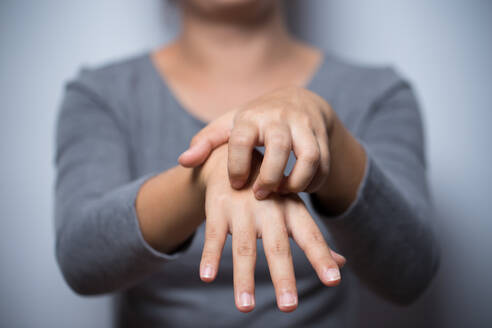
(242, 141)
(244, 260)
(205, 141)
(324, 164)
(339, 258)
(307, 235)
(215, 236)
(279, 258)
(307, 153)
(277, 150)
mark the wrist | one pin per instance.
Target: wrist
(347, 165)
(216, 162)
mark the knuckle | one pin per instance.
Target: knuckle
(280, 141)
(212, 233)
(305, 120)
(246, 249)
(222, 200)
(241, 139)
(315, 237)
(244, 115)
(311, 155)
(279, 249)
(282, 113)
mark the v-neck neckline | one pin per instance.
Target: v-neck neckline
(162, 82)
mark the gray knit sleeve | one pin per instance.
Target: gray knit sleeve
(386, 233)
(99, 245)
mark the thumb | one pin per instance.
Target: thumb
(205, 141)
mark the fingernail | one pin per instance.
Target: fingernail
(332, 274)
(236, 184)
(208, 271)
(261, 194)
(288, 299)
(245, 300)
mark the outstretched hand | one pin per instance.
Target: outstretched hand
(237, 212)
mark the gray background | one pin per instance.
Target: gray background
(443, 46)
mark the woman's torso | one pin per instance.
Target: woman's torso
(158, 130)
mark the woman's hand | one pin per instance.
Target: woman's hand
(238, 212)
(288, 119)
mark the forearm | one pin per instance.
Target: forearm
(103, 245)
(347, 163)
(386, 239)
(170, 206)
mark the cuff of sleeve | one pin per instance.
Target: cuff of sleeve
(138, 243)
(358, 202)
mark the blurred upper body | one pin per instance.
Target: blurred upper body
(123, 124)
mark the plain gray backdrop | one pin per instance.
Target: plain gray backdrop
(444, 47)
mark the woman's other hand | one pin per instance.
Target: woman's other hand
(288, 119)
(238, 213)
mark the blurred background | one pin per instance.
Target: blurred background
(444, 48)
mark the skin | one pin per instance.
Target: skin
(330, 162)
(240, 214)
(262, 98)
(167, 218)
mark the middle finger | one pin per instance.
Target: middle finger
(279, 258)
(244, 260)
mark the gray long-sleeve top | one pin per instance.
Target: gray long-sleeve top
(120, 124)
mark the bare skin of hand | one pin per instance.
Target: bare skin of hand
(239, 213)
(287, 119)
(329, 160)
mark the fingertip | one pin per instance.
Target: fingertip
(245, 309)
(287, 309)
(236, 183)
(331, 277)
(245, 302)
(193, 157)
(261, 194)
(207, 280)
(188, 157)
(207, 273)
(287, 302)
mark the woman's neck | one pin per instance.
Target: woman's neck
(237, 46)
(219, 63)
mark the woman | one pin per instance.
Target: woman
(131, 220)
